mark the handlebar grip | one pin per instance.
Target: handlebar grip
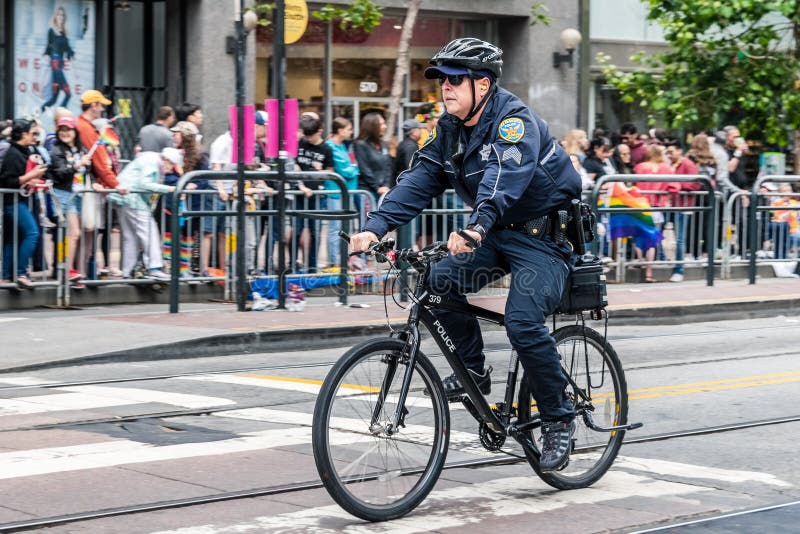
(344, 235)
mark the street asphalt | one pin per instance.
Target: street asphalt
(42, 338)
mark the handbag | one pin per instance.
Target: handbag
(89, 211)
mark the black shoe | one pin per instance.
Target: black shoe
(556, 444)
(454, 390)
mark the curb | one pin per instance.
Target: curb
(271, 341)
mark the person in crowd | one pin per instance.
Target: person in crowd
(221, 159)
(21, 167)
(701, 154)
(576, 142)
(190, 112)
(345, 166)
(784, 228)
(156, 137)
(659, 196)
(407, 147)
(622, 159)
(428, 115)
(142, 177)
(598, 159)
(372, 155)
(682, 197)
(630, 136)
(736, 148)
(69, 172)
(512, 194)
(312, 155)
(93, 104)
(58, 114)
(185, 138)
(5, 129)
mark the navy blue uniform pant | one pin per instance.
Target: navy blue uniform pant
(538, 274)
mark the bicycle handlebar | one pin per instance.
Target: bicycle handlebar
(384, 251)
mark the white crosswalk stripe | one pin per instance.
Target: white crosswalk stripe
(464, 505)
(92, 397)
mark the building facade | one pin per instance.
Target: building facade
(147, 53)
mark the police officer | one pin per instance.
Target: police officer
(502, 161)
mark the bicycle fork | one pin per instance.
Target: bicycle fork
(397, 419)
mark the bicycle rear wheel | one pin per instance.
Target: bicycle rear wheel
(374, 473)
(601, 394)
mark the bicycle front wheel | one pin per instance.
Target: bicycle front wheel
(374, 471)
(600, 394)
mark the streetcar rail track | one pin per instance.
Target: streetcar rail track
(20, 526)
(430, 353)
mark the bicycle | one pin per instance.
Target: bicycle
(379, 447)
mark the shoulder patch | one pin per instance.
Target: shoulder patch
(511, 129)
(430, 138)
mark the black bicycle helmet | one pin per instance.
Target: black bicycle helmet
(469, 53)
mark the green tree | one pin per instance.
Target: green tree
(726, 58)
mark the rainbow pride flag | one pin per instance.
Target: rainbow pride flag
(638, 226)
(109, 137)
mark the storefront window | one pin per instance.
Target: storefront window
(363, 63)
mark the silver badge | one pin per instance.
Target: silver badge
(485, 151)
(513, 154)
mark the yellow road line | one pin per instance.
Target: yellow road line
(635, 394)
(357, 387)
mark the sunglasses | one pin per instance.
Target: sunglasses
(454, 79)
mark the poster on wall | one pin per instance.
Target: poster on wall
(54, 56)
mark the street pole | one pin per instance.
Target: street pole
(278, 77)
(241, 274)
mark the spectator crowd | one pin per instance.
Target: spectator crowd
(118, 214)
(118, 217)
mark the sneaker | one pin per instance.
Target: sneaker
(676, 277)
(112, 271)
(74, 276)
(158, 274)
(24, 282)
(77, 285)
(44, 222)
(556, 444)
(454, 390)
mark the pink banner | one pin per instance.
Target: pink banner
(290, 126)
(291, 123)
(249, 133)
(271, 107)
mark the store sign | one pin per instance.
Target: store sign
(295, 20)
(368, 87)
(53, 56)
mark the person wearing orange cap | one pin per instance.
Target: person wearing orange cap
(93, 104)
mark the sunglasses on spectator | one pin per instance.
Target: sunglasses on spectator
(454, 79)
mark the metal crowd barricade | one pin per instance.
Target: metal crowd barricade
(755, 211)
(345, 214)
(710, 208)
(9, 197)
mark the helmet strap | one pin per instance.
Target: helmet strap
(476, 108)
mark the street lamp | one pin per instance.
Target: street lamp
(570, 39)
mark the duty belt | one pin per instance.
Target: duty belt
(554, 225)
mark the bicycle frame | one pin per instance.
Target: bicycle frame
(475, 401)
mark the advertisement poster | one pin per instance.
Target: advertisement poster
(54, 59)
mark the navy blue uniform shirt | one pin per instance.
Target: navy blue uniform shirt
(508, 168)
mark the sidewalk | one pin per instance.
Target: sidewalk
(44, 338)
